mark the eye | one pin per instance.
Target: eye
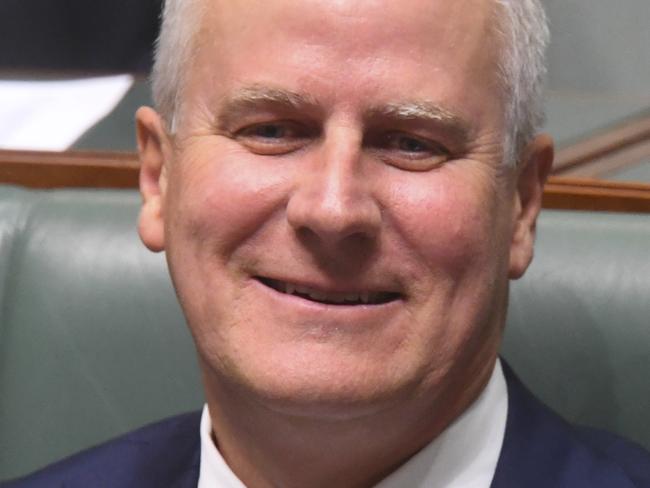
(410, 145)
(271, 138)
(266, 131)
(409, 152)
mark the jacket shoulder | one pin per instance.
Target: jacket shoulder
(631, 458)
(540, 449)
(166, 453)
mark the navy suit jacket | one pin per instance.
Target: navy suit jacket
(540, 450)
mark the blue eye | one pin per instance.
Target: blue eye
(407, 151)
(274, 138)
(410, 144)
(269, 131)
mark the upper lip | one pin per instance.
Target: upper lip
(359, 293)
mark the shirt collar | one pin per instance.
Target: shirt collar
(464, 455)
(213, 470)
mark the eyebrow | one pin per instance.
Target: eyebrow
(253, 96)
(425, 112)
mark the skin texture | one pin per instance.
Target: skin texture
(348, 146)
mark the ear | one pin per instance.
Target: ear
(154, 151)
(532, 172)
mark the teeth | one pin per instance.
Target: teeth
(317, 295)
(352, 297)
(302, 289)
(322, 296)
(349, 298)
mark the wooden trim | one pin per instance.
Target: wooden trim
(612, 163)
(596, 195)
(27, 74)
(39, 169)
(120, 170)
(602, 145)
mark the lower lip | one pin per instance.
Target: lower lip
(309, 305)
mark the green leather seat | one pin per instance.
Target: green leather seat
(93, 342)
(578, 329)
(92, 339)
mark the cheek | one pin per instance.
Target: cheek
(448, 221)
(224, 197)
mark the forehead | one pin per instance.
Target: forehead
(368, 47)
(354, 25)
(355, 12)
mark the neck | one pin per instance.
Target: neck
(265, 447)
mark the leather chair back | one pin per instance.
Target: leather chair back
(93, 342)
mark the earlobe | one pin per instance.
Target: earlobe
(531, 176)
(152, 148)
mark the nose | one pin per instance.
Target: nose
(333, 202)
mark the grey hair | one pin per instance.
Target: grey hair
(522, 68)
(174, 47)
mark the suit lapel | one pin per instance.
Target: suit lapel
(189, 478)
(541, 450)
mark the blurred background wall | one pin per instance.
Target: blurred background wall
(599, 64)
(78, 35)
(599, 57)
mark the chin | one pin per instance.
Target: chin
(330, 386)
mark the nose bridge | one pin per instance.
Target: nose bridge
(334, 199)
(336, 182)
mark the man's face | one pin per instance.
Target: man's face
(338, 222)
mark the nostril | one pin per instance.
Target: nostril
(336, 251)
(305, 233)
(337, 231)
(333, 209)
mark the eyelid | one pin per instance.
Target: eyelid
(432, 155)
(285, 124)
(433, 145)
(296, 136)
(386, 140)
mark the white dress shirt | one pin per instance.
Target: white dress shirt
(464, 455)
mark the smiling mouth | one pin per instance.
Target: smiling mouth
(330, 298)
